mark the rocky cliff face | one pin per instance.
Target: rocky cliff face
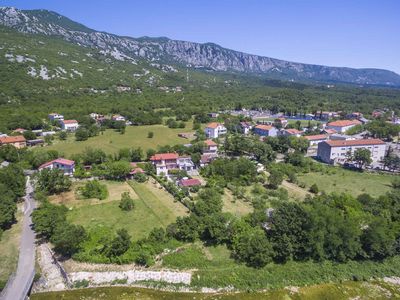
(209, 56)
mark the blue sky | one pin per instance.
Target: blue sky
(352, 33)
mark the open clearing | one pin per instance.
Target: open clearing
(352, 182)
(111, 141)
(153, 208)
(9, 245)
(237, 207)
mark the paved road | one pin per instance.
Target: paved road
(19, 285)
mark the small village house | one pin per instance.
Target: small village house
(189, 182)
(245, 127)
(265, 130)
(19, 130)
(282, 122)
(118, 118)
(291, 132)
(316, 139)
(332, 152)
(164, 162)
(65, 165)
(55, 117)
(214, 130)
(17, 141)
(69, 125)
(210, 147)
(342, 126)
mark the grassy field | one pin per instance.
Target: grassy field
(235, 206)
(135, 136)
(153, 208)
(9, 245)
(215, 268)
(352, 182)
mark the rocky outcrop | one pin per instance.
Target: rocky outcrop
(209, 56)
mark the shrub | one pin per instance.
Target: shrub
(314, 189)
(94, 189)
(126, 203)
(150, 134)
(140, 177)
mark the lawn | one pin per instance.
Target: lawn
(9, 250)
(237, 207)
(353, 182)
(216, 268)
(153, 208)
(135, 136)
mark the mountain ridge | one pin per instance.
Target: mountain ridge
(208, 55)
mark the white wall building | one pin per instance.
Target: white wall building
(336, 151)
(69, 125)
(342, 126)
(55, 117)
(214, 130)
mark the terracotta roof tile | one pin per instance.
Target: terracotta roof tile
(362, 142)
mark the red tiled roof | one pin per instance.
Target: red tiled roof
(213, 125)
(362, 142)
(60, 160)
(343, 123)
(210, 143)
(293, 131)
(70, 121)
(163, 156)
(264, 127)
(12, 139)
(316, 137)
(330, 131)
(136, 171)
(189, 182)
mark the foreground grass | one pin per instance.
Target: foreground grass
(215, 268)
(135, 136)
(151, 210)
(346, 181)
(346, 290)
(9, 250)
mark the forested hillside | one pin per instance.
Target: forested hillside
(42, 74)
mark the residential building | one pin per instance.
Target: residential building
(19, 130)
(291, 132)
(342, 126)
(185, 163)
(164, 162)
(17, 141)
(118, 118)
(245, 127)
(316, 139)
(34, 142)
(332, 152)
(265, 130)
(46, 133)
(189, 182)
(354, 115)
(69, 125)
(213, 115)
(281, 121)
(329, 131)
(342, 137)
(55, 117)
(214, 130)
(66, 165)
(210, 147)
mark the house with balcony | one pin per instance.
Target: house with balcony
(214, 130)
(66, 165)
(69, 125)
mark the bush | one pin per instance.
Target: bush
(94, 189)
(150, 134)
(314, 189)
(126, 203)
(140, 177)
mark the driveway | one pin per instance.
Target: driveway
(18, 286)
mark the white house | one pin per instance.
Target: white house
(69, 125)
(316, 139)
(210, 147)
(336, 151)
(66, 165)
(214, 130)
(291, 132)
(164, 162)
(266, 130)
(55, 117)
(245, 127)
(342, 126)
(118, 118)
